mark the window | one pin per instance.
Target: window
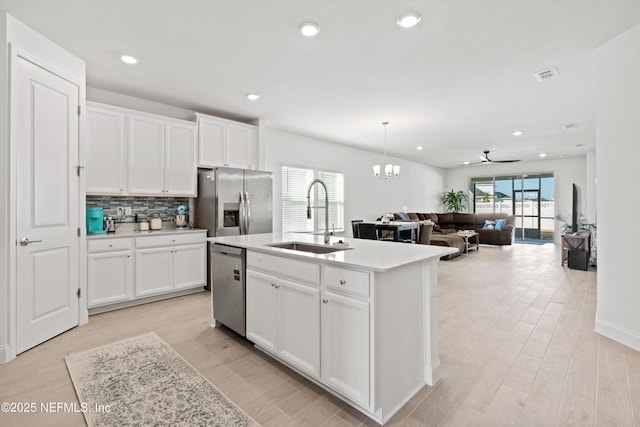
(295, 182)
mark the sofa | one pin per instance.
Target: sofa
(446, 225)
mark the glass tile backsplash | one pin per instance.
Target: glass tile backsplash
(141, 206)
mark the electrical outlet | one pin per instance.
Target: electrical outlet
(127, 211)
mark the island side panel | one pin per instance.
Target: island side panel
(402, 322)
(430, 300)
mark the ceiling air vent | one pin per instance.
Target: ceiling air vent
(544, 75)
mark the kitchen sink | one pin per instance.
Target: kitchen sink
(308, 247)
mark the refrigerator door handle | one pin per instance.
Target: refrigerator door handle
(247, 213)
(242, 213)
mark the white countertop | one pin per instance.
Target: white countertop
(375, 255)
(130, 229)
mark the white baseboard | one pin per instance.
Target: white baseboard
(618, 333)
(5, 353)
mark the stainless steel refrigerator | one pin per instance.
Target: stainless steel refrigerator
(234, 201)
(231, 202)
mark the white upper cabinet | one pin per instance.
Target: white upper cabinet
(106, 155)
(181, 176)
(146, 155)
(135, 153)
(224, 142)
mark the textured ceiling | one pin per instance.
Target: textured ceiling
(458, 83)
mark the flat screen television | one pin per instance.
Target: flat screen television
(575, 210)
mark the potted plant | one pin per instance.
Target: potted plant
(454, 201)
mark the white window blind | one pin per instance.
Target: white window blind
(295, 182)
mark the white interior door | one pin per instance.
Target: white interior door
(45, 134)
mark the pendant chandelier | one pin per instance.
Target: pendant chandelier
(390, 171)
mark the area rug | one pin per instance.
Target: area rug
(143, 381)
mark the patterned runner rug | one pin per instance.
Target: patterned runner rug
(143, 381)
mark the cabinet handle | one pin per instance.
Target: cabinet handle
(128, 256)
(343, 282)
(324, 301)
(110, 245)
(277, 286)
(273, 285)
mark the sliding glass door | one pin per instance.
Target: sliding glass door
(528, 197)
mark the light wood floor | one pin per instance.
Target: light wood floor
(517, 348)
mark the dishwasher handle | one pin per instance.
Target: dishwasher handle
(227, 250)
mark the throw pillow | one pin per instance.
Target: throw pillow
(489, 224)
(500, 223)
(403, 216)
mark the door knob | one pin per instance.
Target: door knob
(25, 241)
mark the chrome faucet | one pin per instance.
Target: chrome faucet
(326, 207)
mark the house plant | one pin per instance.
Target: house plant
(454, 201)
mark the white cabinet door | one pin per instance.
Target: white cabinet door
(262, 324)
(146, 155)
(345, 346)
(299, 325)
(106, 165)
(237, 146)
(189, 266)
(110, 278)
(181, 173)
(211, 136)
(154, 271)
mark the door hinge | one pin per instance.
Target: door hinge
(79, 109)
(78, 293)
(79, 232)
(78, 169)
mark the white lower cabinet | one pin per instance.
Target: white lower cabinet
(170, 262)
(286, 311)
(345, 346)
(154, 271)
(283, 317)
(110, 275)
(160, 265)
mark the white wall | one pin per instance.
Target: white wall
(566, 171)
(617, 106)
(4, 194)
(418, 188)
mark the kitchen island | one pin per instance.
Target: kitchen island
(358, 318)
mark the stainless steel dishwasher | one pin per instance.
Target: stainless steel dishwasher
(228, 286)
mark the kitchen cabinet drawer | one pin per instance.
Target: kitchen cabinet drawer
(170, 240)
(284, 267)
(346, 281)
(102, 245)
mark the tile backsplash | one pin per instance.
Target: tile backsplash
(142, 206)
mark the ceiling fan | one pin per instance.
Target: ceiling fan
(486, 159)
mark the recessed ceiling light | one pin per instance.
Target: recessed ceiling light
(466, 162)
(419, 147)
(128, 59)
(409, 20)
(569, 126)
(309, 29)
(253, 96)
(542, 155)
(517, 133)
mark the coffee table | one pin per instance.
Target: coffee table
(471, 240)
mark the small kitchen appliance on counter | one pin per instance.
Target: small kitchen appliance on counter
(95, 221)
(110, 225)
(182, 216)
